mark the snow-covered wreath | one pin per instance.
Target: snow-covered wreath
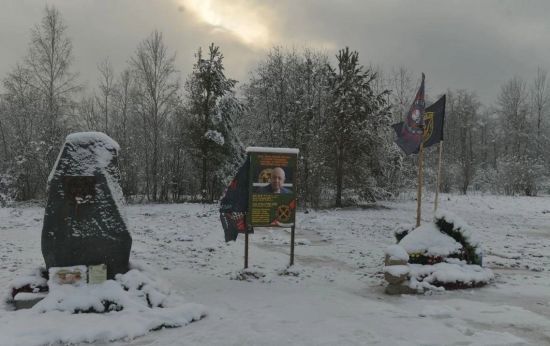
(441, 255)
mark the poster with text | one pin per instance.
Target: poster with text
(272, 200)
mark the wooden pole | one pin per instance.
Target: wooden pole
(420, 179)
(292, 245)
(246, 250)
(438, 181)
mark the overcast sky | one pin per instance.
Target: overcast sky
(471, 44)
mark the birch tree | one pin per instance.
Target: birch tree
(39, 104)
(156, 87)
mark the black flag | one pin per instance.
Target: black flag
(234, 204)
(434, 120)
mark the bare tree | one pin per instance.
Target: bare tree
(124, 126)
(21, 127)
(462, 127)
(519, 169)
(540, 99)
(88, 114)
(156, 87)
(39, 98)
(401, 85)
(106, 89)
(49, 61)
(513, 108)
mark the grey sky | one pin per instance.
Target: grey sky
(476, 45)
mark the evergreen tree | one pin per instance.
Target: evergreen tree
(212, 108)
(287, 99)
(355, 127)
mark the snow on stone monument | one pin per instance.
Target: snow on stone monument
(83, 223)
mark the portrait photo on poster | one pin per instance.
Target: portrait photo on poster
(274, 180)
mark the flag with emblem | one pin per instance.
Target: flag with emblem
(434, 120)
(409, 132)
(234, 204)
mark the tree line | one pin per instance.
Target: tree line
(183, 140)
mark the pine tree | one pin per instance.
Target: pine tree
(358, 116)
(211, 109)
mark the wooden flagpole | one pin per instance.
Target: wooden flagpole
(292, 245)
(420, 157)
(246, 250)
(438, 182)
(420, 179)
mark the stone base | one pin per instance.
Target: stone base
(395, 280)
(25, 300)
(388, 261)
(392, 289)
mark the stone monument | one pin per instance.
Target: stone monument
(83, 223)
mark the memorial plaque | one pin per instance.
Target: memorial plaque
(79, 189)
(75, 276)
(97, 274)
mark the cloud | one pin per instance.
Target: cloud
(247, 20)
(471, 44)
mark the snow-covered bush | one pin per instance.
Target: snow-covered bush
(520, 175)
(215, 137)
(486, 180)
(7, 189)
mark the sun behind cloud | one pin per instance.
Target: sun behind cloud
(242, 18)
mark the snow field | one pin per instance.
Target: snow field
(334, 294)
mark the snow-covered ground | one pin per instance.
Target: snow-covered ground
(334, 293)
